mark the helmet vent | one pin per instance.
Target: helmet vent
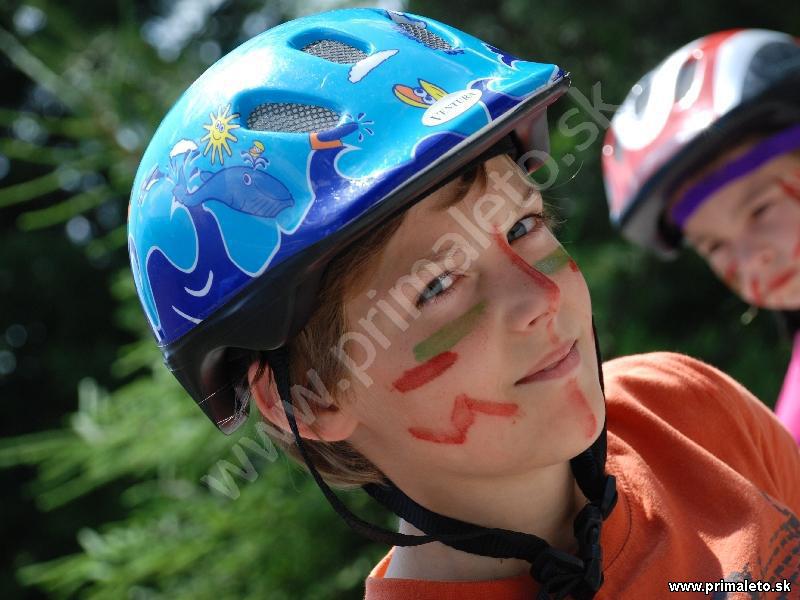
(335, 51)
(427, 37)
(291, 117)
(685, 78)
(642, 91)
(771, 63)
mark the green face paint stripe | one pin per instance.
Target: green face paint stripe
(448, 336)
(553, 262)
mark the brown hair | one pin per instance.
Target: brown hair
(338, 462)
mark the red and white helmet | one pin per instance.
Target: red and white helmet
(696, 103)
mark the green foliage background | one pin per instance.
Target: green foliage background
(115, 486)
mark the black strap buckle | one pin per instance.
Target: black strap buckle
(561, 573)
(558, 572)
(609, 499)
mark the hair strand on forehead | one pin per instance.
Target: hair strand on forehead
(310, 352)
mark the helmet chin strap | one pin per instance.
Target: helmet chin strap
(559, 573)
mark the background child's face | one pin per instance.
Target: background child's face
(749, 232)
(450, 366)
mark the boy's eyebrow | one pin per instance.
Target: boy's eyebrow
(455, 190)
(454, 194)
(441, 254)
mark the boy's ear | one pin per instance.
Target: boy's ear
(315, 421)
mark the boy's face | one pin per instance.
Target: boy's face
(749, 232)
(479, 362)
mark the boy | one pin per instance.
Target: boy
(706, 149)
(357, 249)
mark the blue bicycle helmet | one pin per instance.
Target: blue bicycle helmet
(285, 151)
(280, 156)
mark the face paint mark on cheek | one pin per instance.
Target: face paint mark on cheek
(462, 418)
(448, 336)
(553, 262)
(731, 276)
(792, 188)
(425, 373)
(552, 290)
(779, 281)
(579, 403)
(434, 351)
(560, 257)
(755, 291)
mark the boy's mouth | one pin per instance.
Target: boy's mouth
(556, 364)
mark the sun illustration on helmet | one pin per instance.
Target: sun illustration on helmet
(219, 132)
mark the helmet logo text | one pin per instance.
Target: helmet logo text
(451, 106)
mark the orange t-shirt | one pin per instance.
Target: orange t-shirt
(708, 484)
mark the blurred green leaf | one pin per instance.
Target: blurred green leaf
(61, 212)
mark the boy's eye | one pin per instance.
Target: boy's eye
(444, 283)
(523, 227)
(436, 289)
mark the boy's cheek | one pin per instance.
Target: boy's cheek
(466, 367)
(441, 399)
(729, 274)
(574, 288)
(446, 411)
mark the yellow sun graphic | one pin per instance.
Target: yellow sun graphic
(219, 132)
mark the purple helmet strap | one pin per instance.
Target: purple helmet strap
(769, 148)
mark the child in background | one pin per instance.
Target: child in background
(334, 222)
(706, 149)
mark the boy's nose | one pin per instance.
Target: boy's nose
(528, 294)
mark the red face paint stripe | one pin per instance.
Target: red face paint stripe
(581, 405)
(790, 190)
(552, 289)
(781, 280)
(755, 291)
(462, 418)
(732, 276)
(551, 333)
(428, 435)
(425, 373)
(497, 409)
(573, 266)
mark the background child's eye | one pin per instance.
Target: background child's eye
(523, 227)
(713, 248)
(436, 289)
(760, 210)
